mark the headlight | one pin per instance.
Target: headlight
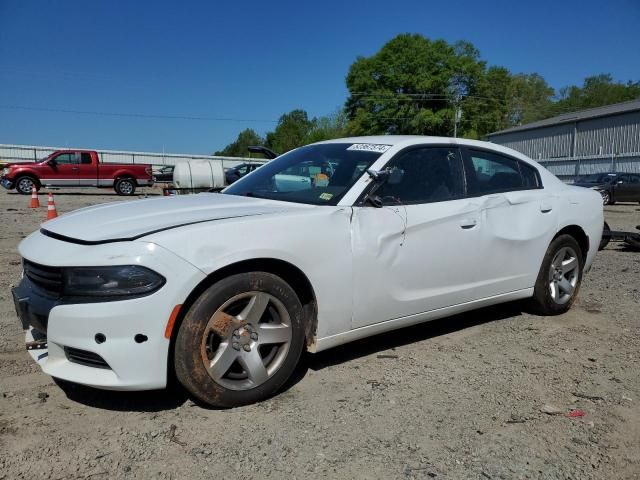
(121, 280)
(5, 171)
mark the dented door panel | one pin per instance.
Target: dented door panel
(516, 230)
(410, 259)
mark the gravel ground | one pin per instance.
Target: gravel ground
(482, 395)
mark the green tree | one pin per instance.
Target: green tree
(239, 147)
(410, 86)
(488, 110)
(529, 99)
(596, 91)
(328, 127)
(291, 131)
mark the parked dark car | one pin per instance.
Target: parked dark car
(164, 174)
(614, 187)
(239, 171)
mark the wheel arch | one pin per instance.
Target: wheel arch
(288, 272)
(27, 173)
(121, 174)
(579, 234)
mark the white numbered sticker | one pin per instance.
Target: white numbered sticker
(369, 147)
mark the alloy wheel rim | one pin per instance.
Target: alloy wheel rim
(246, 340)
(563, 275)
(126, 187)
(25, 185)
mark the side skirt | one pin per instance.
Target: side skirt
(363, 332)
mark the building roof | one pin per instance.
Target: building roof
(605, 111)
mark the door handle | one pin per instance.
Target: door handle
(545, 207)
(467, 223)
(75, 168)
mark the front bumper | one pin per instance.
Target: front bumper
(6, 183)
(127, 335)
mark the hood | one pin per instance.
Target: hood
(20, 164)
(121, 221)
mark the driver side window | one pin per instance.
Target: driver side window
(66, 159)
(429, 174)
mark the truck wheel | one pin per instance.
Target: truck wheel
(240, 341)
(559, 278)
(125, 186)
(25, 184)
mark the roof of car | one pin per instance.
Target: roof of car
(407, 140)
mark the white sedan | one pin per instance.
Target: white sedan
(225, 291)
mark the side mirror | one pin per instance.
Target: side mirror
(378, 176)
(52, 162)
(392, 176)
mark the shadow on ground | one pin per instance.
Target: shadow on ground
(175, 396)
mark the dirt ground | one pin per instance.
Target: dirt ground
(482, 395)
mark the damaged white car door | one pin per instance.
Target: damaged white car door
(517, 216)
(419, 252)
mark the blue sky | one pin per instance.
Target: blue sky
(247, 62)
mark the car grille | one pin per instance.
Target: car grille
(48, 279)
(83, 357)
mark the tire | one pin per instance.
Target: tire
(125, 186)
(24, 185)
(222, 354)
(606, 198)
(606, 237)
(556, 289)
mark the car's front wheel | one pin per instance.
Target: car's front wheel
(606, 197)
(559, 278)
(240, 341)
(25, 184)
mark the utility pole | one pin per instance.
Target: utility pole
(457, 115)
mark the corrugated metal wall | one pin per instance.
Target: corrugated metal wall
(548, 142)
(617, 134)
(28, 153)
(601, 145)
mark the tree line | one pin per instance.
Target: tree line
(418, 86)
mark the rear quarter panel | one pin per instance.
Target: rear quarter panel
(583, 207)
(111, 171)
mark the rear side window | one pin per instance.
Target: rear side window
(530, 176)
(85, 158)
(489, 172)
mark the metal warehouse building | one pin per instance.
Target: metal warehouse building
(596, 140)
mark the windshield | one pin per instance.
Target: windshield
(315, 174)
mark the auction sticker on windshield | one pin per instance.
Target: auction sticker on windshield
(369, 147)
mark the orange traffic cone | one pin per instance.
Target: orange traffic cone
(35, 203)
(51, 208)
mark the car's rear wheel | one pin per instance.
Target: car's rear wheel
(125, 186)
(559, 278)
(240, 341)
(24, 185)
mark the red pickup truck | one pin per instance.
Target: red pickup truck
(75, 168)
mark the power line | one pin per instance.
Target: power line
(135, 115)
